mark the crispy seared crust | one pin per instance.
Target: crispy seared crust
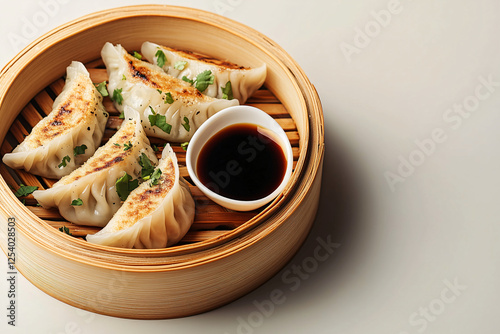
(143, 72)
(79, 107)
(206, 59)
(147, 198)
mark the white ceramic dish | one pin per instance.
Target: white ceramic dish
(221, 120)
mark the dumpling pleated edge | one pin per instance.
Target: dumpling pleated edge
(164, 226)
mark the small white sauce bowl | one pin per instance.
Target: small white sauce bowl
(221, 120)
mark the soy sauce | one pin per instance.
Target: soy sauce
(242, 162)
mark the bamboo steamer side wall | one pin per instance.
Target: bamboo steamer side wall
(80, 274)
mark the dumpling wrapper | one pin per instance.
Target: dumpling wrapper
(78, 118)
(244, 81)
(95, 182)
(145, 88)
(153, 216)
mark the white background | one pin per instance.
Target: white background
(401, 247)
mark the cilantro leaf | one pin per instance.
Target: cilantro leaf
(147, 167)
(160, 121)
(203, 80)
(179, 65)
(155, 148)
(186, 124)
(117, 96)
(122, 115)
(137, 55)
(77, 202)
(25, 190)
(128, 146)
(155, 177)
(124, 77)
(152, 119)
(65, 230)
(227, 91)
(79, 150)
(184, 145)
(168, 98)
(161, 59)
(124, 185)
(64, 161)
(101, 88)
(159, 91)
(185, 78)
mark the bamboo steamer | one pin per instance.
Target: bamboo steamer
(212, 266)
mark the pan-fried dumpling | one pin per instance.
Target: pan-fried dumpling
(230, 80)
(91, 194)
(169, 108)
(69, 134)
(155, 215)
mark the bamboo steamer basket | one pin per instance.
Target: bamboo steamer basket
(212, 266)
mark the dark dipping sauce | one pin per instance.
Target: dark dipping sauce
(242, 162)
